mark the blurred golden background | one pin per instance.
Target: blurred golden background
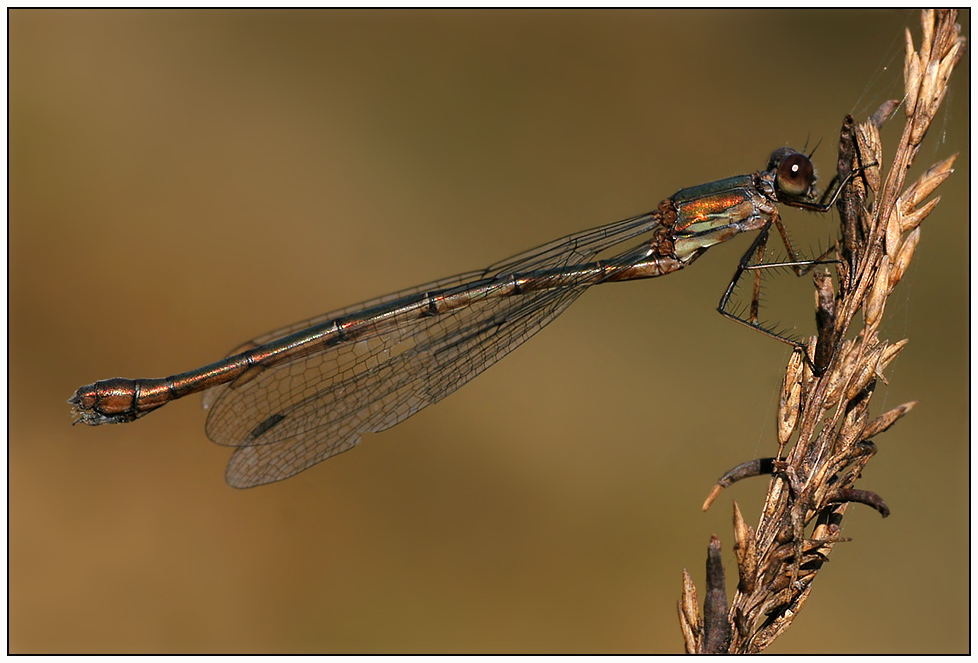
(181, 181)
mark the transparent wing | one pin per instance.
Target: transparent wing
(319, 405)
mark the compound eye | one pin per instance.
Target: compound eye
(796, 175)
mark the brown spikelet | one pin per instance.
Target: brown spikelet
(790, 397)
(689, 616)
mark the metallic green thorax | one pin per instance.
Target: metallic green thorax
(712, 213)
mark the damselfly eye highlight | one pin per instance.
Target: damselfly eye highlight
(796, 175)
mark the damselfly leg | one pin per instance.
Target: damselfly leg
(752, 261)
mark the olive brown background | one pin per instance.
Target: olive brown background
(181, 181)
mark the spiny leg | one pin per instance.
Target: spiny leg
(755, 300)
(800, 267)
(747, 263)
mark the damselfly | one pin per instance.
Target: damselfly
(297, 396)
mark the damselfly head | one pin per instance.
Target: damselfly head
(794, 174)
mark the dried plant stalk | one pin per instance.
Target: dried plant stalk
(828, 408)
